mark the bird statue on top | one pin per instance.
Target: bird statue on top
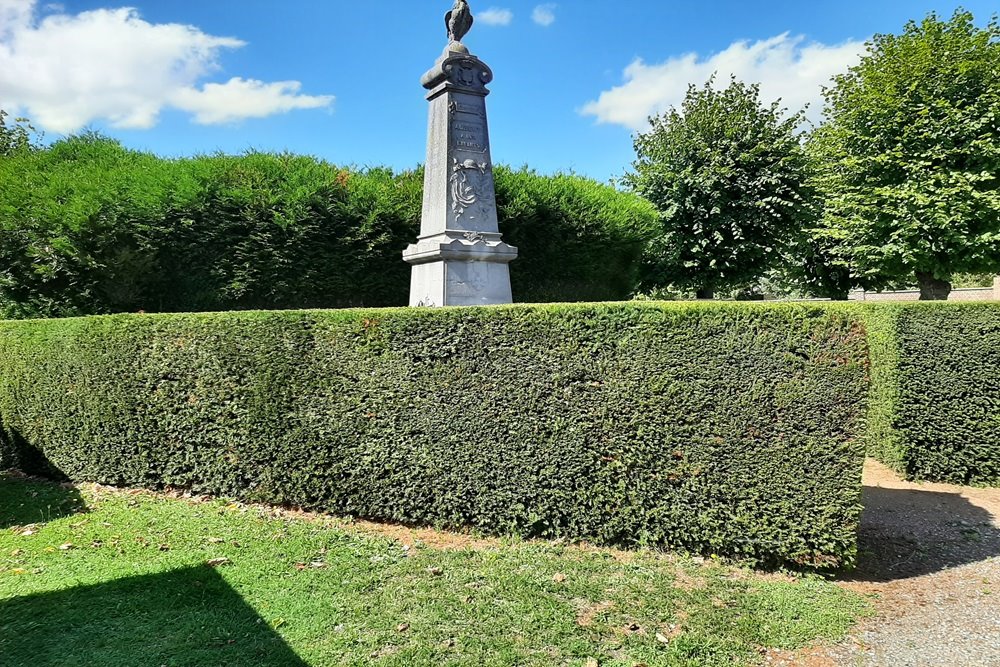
(458, 21)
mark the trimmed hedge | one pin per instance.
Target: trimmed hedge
(717, 428)
(578, 240)
(935, 395)
(89, 227)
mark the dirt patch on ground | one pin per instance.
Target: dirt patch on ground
(589, 611)
(408, 536)
(930, 558)
(687, 582)
(809, 658)
(434, 539)
(911, 530)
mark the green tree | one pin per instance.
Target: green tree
(16, 137)
(909, 157)
(728, 176)
(817, 265)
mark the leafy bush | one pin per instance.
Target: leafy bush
(88, 226)
(578, 240)
(728, 176)
(935, 402)
(728, 428)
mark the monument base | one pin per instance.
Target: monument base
(469, 271)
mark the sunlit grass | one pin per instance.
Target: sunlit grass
(101, 578)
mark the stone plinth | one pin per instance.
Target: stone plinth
(459, 258)
(996, 288)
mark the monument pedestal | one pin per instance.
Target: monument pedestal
(459, 258)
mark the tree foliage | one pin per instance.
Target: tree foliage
(15, 137)
(909, 157)
(88, 226)
(728, 176)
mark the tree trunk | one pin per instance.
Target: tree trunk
(931, 288)
(705, 293)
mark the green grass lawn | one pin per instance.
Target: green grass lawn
(98, 578)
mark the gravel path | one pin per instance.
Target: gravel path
(931, 555)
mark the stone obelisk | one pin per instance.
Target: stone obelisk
(459, 258)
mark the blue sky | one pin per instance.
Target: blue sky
(340, 79)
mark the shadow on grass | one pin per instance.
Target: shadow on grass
(26, 501)
(908, 533)
(183, 618)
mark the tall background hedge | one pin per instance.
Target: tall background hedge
(935, 404)
(87, 226)
(730, 429)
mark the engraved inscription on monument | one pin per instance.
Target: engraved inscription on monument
(468, 135)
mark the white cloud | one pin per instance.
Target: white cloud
(544, 15)
(241, 98)
(496, 16)
(66, 71)
(785, 67)
(14, 15)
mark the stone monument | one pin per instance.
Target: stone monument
(459, 258)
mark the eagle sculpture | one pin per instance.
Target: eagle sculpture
(458, 21)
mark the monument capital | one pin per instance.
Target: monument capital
(459, 71)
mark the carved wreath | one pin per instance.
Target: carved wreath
(463, 193)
